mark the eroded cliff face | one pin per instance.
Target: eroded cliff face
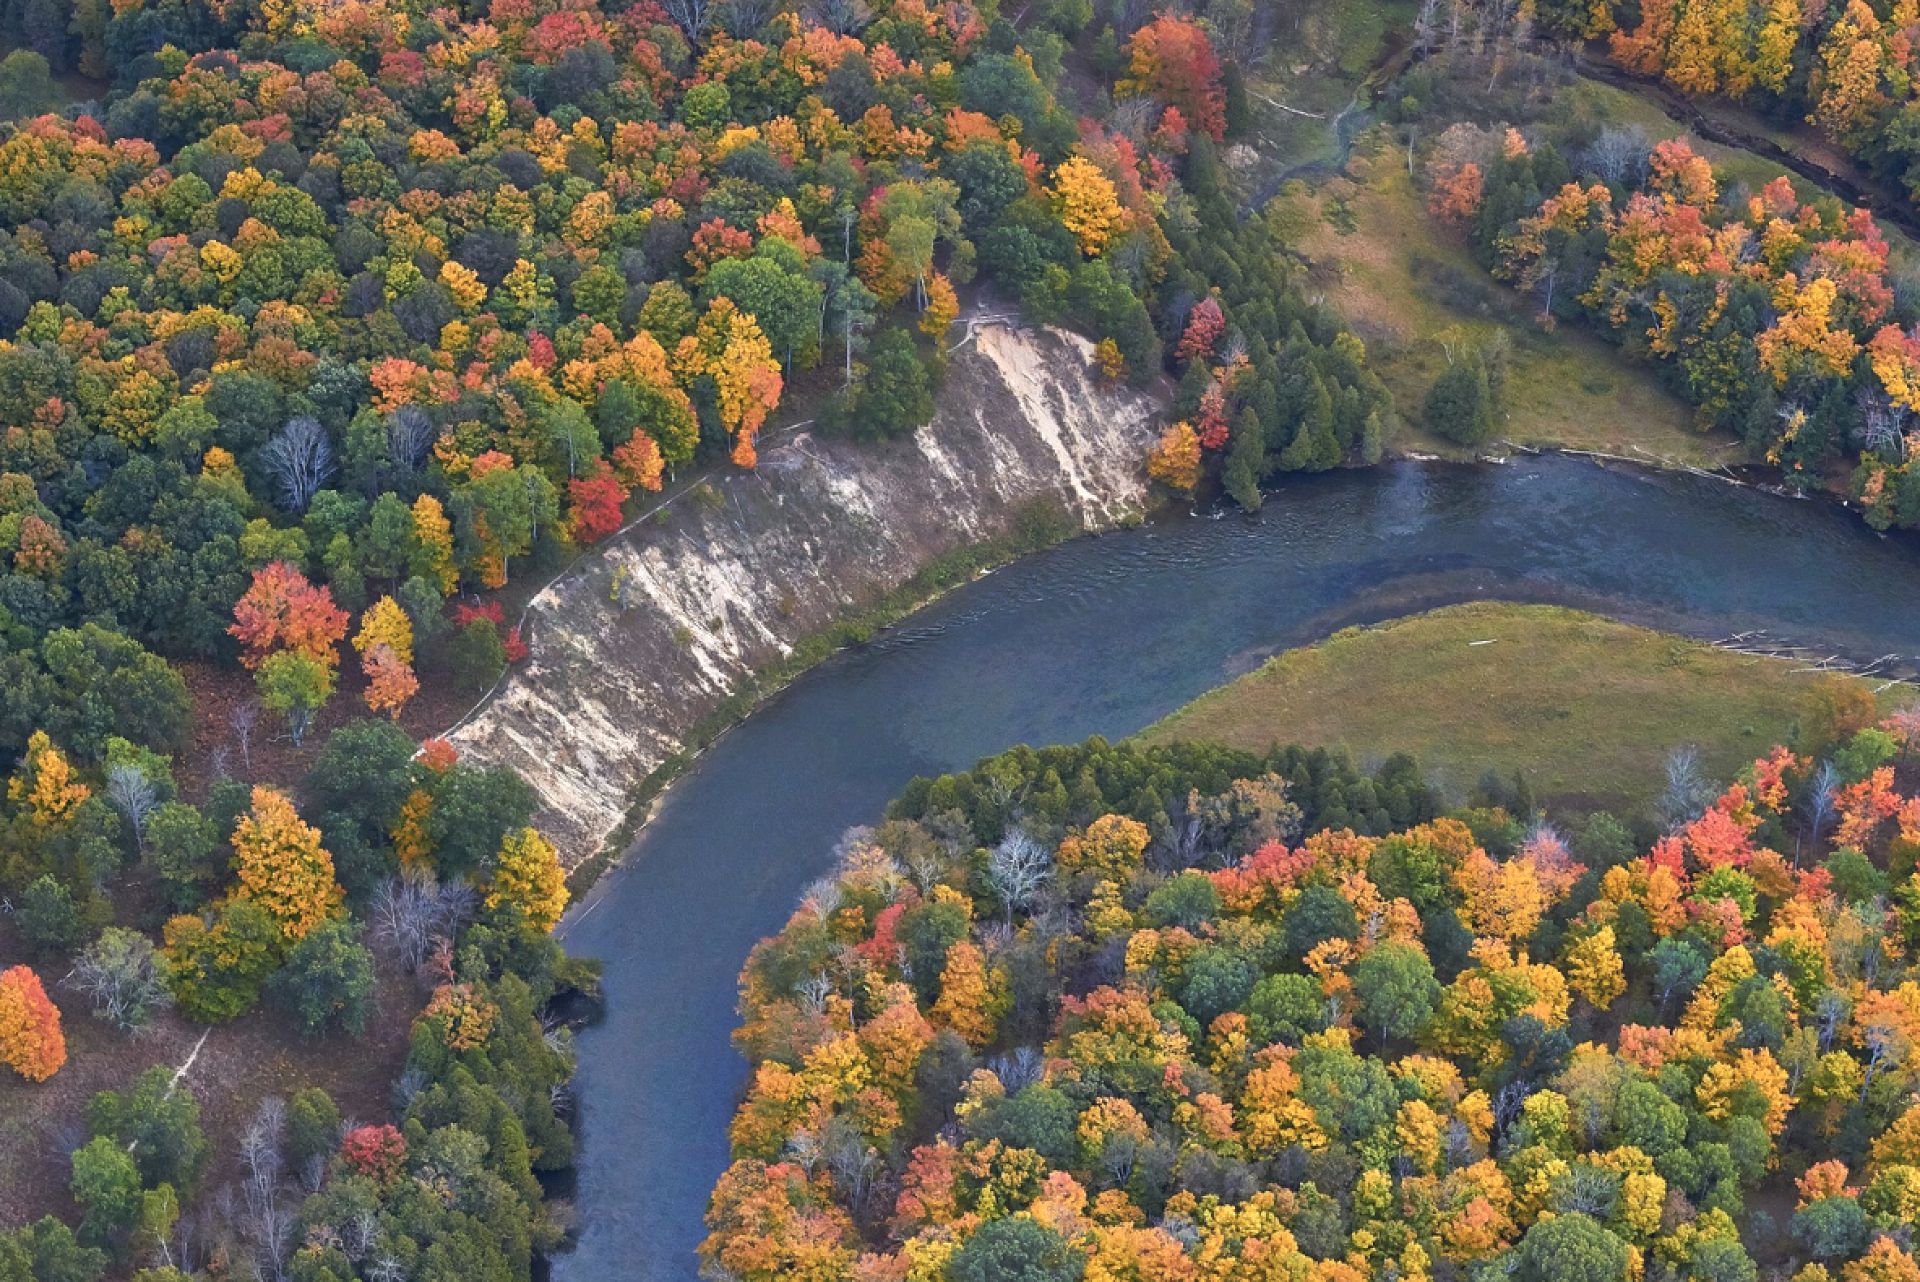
(638, 643)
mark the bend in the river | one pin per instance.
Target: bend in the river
(1104, 636)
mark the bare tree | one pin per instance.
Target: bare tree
(1424, 24)
(1017, 868)
(301, 459)
(691, 16)
(1830, 1010)
(121, 973)
(1618, 157)
(269, 1221)
(409, 434)
(1882, 424)
(413, 910)
(243, 718)
(744, 18)
(1018, 1069)
(135, 796)
(1822, 803)
(842, 17)
(1687, 793)
(851, 1159)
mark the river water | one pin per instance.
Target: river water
(1103, 636)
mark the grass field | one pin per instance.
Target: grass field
(1587, 706)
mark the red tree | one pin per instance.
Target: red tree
(1205, 325)
(1171, 59)
(375, 1151)
(282, 611)
(596, 504)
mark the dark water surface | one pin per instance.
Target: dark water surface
(1105, 635)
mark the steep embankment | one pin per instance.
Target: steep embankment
(634, 648)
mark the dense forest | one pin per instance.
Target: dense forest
(320, 325)
(333, 311)
(1183, 1013)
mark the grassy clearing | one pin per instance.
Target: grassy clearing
(1403, 283)
(1587, 707)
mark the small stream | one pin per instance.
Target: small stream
(1105, 635)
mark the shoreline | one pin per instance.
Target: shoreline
(978, 560)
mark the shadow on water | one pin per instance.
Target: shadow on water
(1103, 636)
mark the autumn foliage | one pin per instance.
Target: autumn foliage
(282, 611)
(281, 866)
(1480, 1020)
(1775, 314)
(31, 1043)
(1172, 59)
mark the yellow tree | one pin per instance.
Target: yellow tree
(1086, 203)
(1503, 900)
(1174, 460)
(1594, 969)
(942, 306)
(729, 347)
(45, 786)
(1847, 73)
(282, 866)
(386, 623)
(966, 1003)
(527, 875)
(432, 557)
(1111, 847)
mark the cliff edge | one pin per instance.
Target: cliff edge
(633, 647)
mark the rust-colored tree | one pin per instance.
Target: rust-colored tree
(280, 611)
(1172, 59)
(31, 1043)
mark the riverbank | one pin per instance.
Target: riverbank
(672, 630)
(1106, 636)
(1587, 707)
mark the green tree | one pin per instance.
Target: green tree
(107, 1186)
(296, 686)
(1833, 1228)
(773, 287)
(182, 848)
(1016, 1250)
(1461, 406)
(895, 396)
(1396, 988)
(158, 1124)
(26, 85)
(362, 775)
(1571, 1248)
(327, 980)
(473, 810)
(477, 656)
(49, 918)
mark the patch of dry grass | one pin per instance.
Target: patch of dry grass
(1586, 706)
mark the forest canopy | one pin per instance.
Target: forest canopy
(1184, 1013)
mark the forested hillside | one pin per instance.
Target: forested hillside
(333, 311)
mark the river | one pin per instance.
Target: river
(1103, 636)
